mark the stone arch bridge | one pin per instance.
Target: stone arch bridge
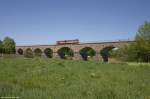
(97, 47)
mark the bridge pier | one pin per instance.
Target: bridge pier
(55, 55)
(97, 57)
(43, 55)
(77, 56)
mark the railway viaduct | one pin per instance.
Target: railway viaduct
(97, 47)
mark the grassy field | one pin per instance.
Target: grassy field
(66, 79)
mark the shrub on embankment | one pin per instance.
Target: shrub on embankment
(139, 50)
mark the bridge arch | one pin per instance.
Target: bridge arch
(97, 46)
(38, 52)
(105, 52)
(87, 52)
(28, 49)
(20, 51)
(28, 53)
(48, 52)
(65, 53)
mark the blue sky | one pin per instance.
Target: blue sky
(46, 21)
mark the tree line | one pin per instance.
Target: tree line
(7, 46)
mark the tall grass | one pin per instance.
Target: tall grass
(39, 78)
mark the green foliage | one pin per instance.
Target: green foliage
(142, 43)
(63, 79)
(65, 52)
(37, 52)
(127, 53)
(143, 32)
(48, 52)
(107, 51)
(1, 46)
(114, 53)
(28, 53)
(9, 45)
(140, 49)
(88, 51)
(91, 53)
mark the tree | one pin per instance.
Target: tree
(1, 47)
(140, 49)
(142, 42)
(48, 52)
(9, 45)
(105, 54)
(87, 51)
(143, 32)
(65, 53)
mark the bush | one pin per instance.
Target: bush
(9, 46)
(87, 51)
(38, 52)
(142, 43)
(48, 52)
(138, 51)
(1, 46)
(28, 53)
(142, 49)
(124, 54)
(65, 53)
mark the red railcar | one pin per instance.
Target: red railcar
(63, 42)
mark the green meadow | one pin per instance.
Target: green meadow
(39, 78)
